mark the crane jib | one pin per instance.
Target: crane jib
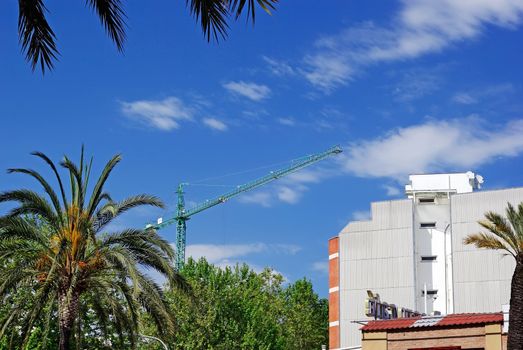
(182, 215)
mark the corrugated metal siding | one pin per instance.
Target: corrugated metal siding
(375, 255)
(481, 277)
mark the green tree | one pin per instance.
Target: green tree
(237, 308)
(507, 234)
(306, 317)
(231, 308)
(71, 266)
(38, 39)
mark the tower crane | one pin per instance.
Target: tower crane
(183, 214)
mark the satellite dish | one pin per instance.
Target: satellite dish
(479, 179)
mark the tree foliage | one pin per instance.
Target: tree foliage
(57, 254)
(506, 234)
(237, 308)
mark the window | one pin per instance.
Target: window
(427, 225)
(426, 200)
(429, 258)
(431, 292)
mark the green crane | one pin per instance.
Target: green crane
(183, 214)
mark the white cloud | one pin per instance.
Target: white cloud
(288, 195)
(286, 121)
(464, 98)
(223, 255)
(361, 215)
(279, 68)
(321, 266)
(453, 145)
(215, 253)
(215, 124)
(163, 114)
(255, 92)
(415, 84)
(289, 189)
(261, 198)
(392, 191)
(421, 27)
(488, 93)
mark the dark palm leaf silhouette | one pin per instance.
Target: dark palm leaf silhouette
(38, 40)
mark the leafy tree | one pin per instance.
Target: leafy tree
(507, 234)
(38, 38)
(71, 268)
(237, 308)
(306, 317)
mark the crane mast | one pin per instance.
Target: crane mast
(183, 214)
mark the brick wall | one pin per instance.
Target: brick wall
(334, 294)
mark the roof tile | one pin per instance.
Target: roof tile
(433, 321)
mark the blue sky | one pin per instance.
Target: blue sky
(417, 86)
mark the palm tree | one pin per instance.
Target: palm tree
(70, 263)
(507, 234)
(38, 39)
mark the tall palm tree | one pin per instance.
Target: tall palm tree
(507, 234)
(70, 262)
(38, 38)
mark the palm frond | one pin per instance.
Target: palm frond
(47, 187)
(500, 227)
(237, 7)
(96, 195)
(30, 203)
(487, 241)
(75, 175)
(57, 175)
(112, 210)
(515, 217)
(112, 16)
(35, 35)
(212, 15)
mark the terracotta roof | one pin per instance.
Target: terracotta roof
(433, 321)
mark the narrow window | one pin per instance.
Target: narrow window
(429, 292)
(427, 225)
(426, 200)
(429, 258)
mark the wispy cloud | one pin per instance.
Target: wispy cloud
(321, 266)
(453, 145)
(416, 83)
(286, 121)
(230, 254)
(163, 114)
(476, 95)
(215, 124)
(361, 215)
(278, 67)
(253, 91)
(392, 191)
(289, 189)
(421, 27)
(263, 198)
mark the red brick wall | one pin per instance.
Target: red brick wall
(334, 294)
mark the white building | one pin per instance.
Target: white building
(415, 246)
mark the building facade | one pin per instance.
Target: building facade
(452, 332)
(411, 253)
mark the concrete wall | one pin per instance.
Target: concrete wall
(375, 255)
(481, 277)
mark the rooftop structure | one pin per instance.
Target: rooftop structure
(411, 253)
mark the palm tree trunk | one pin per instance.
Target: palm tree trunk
(67, 312)
(515, 332)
